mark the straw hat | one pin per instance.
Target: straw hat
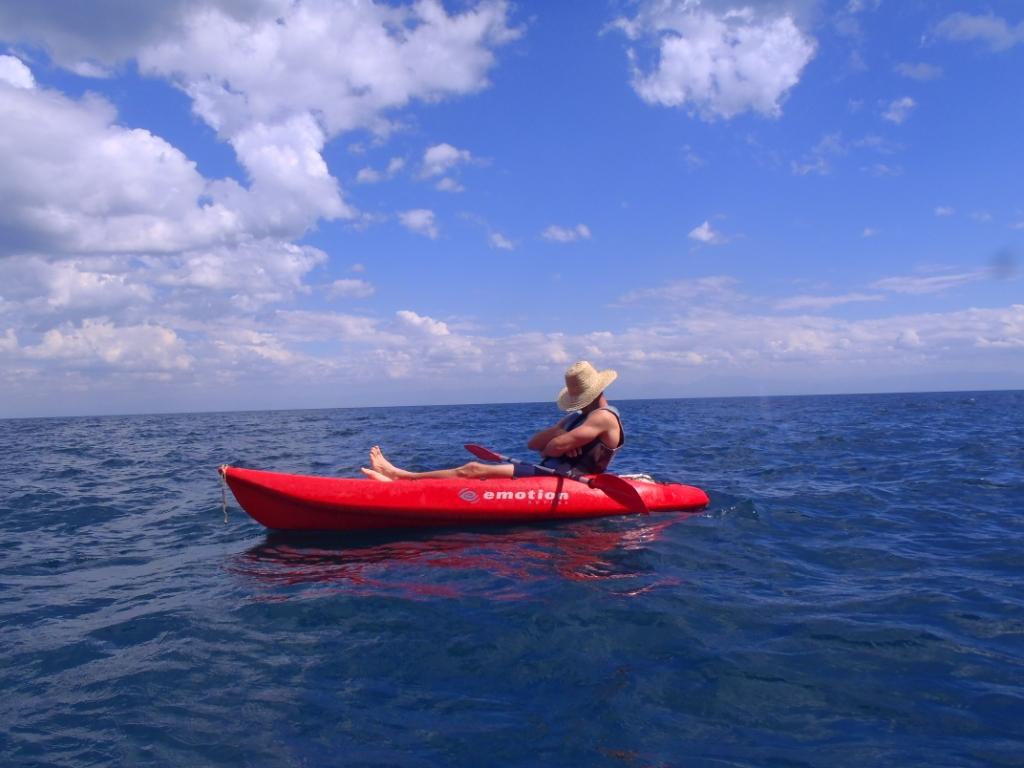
(582, 385)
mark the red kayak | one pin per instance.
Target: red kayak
(301, 502)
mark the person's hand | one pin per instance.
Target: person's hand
(572, 453)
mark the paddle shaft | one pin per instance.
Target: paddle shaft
(612, 485)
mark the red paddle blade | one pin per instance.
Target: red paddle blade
(621, 491)
(482, 453)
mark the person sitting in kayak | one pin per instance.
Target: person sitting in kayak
(585, 441)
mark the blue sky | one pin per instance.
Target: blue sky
(216, 205)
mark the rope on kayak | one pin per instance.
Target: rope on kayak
(224, 490)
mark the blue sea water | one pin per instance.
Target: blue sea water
(853, 595)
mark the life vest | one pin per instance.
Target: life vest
(595, 456)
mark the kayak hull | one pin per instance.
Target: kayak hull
(300, 502)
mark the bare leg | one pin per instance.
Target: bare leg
(382, 469)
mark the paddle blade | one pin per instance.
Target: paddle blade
(482, 453)
(621, 491)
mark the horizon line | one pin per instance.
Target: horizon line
(504, 402)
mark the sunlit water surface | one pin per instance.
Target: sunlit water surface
(853, 595)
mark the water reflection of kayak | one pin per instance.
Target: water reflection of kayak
(299, 502)
(428, 563)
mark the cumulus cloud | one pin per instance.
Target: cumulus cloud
(944, 210)
(441, 158)
(718, 62)
(448, 184)
(369, 175)
(116, 254)
(9, 341)
(36, 287)
(76, 181)
(498, 240)
(13, 72)
(350, 289)
(919, 70)
(706, 234)
(559, 234)
(253, 273)
(421, 221)
(899, 110)
(422, 323)
(990, 29)
(138, 347)
(278, 79)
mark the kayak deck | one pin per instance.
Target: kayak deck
(301, 502)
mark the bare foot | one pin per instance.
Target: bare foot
(375, 475)
(383, 466)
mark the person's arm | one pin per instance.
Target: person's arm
(569, 443)
(545, 436)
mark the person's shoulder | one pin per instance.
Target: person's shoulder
(602, 416)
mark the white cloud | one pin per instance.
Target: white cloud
(559, 234)
(919, 70)
(869, 232)
(716, 289)
(944, 210)
(14, 72)
(982, 216)
(706, 234)
(693, 160)
(819, 303)
(899, 110)
(350, 289)
(718, 62)
(278, 79)
(299, 326)
(915, 284)
(427, 325)
(421, 221)
(239, 346)
(138, 347)
(498, 240)
(448, 184)
(857, 6)
(876, 143)
(76, 182)
(993, 30)
(348, 63)
(291, 186)
(9, 341)
(910, 339)
(819, 160)
(65, 289)
(441, 158)
(883, 169)
(369, 175)
(253, 273)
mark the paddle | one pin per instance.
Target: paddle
(613, 485)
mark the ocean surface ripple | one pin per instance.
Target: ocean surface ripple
(852, 596)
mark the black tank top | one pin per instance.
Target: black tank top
(595, 456)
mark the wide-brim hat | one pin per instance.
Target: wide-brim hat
(582, 385)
